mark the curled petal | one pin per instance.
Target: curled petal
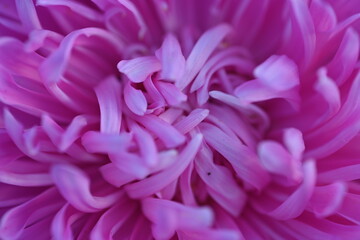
(113, 219)
(277, 160)
(29, 212)
(109, 96)
(74, 185)
(172, 59)
(326, 200)
(170, 136)
(135, 100)
(201, 52)
(249, 169)
(138, 69)
(168, 217)
(157, 182)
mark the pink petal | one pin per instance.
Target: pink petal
(168, 217)
(171, 93)
(186, 124)
(278, 73)
(135, 100)
(96, 142)
(63, 221)
(169, 135)
(343, 63)
(233, 150)
(201, 52)
(172, 59)
(294, 204)
(113, 219)
(277, 160)
(29, 213)
(326, 200)
(138, 69)
(27, 14)
(109, 96)
(74, 186)
(220, 183)
(156, 182)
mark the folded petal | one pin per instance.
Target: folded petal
(249, 168)
(171, 93)
(326, 200)
(108, 93)
(74, 185)
(168, 134)
(138, 69)
(220, 183)
(168, 217)
(200, 53)
(343, 63)
(172, 59)
(28, 213)
(158, 181)
(113, 219)
(277, 160)
(135, 100)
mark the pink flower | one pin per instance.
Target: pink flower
(178, 119)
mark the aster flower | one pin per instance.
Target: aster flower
(179, 119)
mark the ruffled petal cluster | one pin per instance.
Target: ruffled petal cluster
(177, 119)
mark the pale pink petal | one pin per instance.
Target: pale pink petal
(221, 185)
(326, 200)
(233, 150)
(138, 69)
(170, 136)
(172, 59)
(168, 217)
(278, 72)
(135, 100)
(110, 105)
(63, 220)
(171, 93)
(202, 50)
(156, 182)
(74, 186)
(277, 160)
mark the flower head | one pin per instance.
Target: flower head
(177, 119)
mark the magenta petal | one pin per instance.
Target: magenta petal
(27, 14)
(168, 217)
(61, 225)
(135, 100)
(186, 124)
(75, 187)
(221, 185)
(138, 69)
(172, 59)
(233, 150)
(112, 220)
(277, 160)
(170, 136)
(156, 182)
(171, 93)
(96, 142)
(110, 105)
(115, 176)
(326, 200)
(29, 212)
(345, 59)
(278, 72)
(201, 52)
